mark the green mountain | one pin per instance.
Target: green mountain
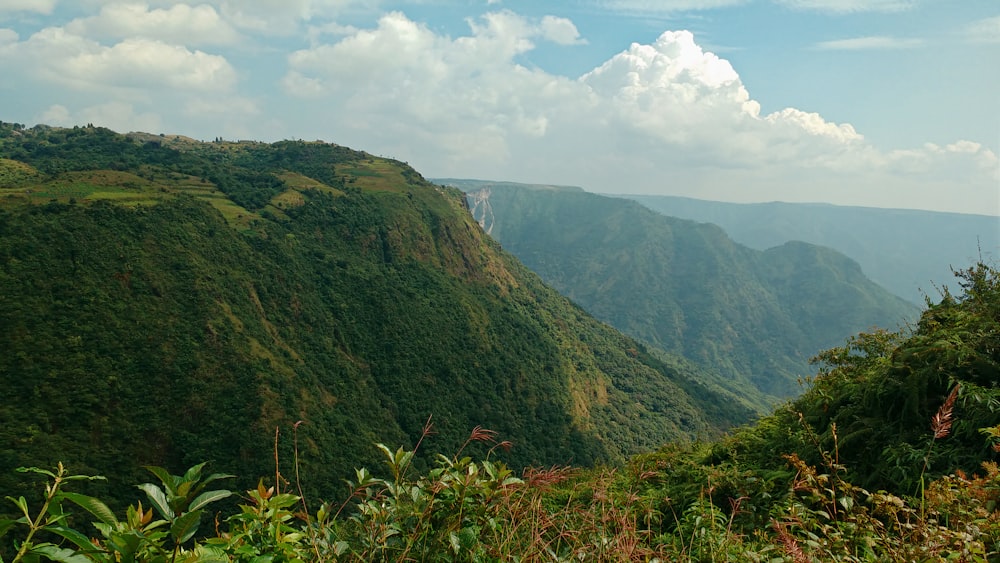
(687, 288)
(165, 301)
(906, 251)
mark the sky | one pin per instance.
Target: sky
(884, 103)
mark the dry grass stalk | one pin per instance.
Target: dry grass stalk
(941, 421)
(788, 543)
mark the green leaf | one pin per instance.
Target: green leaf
(388, 453)
(207, 497)
(63, 555)
(169, 481)
(158, 500)
(284, 500)
(179, 497)
(22, 504)
(80, 540)
(185, 526)
(207, 554)
(216, 477)
(93, 506)
(194, 472)
(84, 478)
(35, 470)
(127, 544)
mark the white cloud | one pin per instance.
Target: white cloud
(870, 42)
(180, 24)
(850, 6)
(8, 36)
(57, 115)
(37, 6)
(656, 117)
(986, 30)
(126, 85)
(561, 31)
(653, 7)
(261, 17)
(279, 16)
(140, 64)
(118, 116)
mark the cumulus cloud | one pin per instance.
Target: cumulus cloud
(667, 116)
(138, 63)
(126, 84)
(870, 42)
(180, 24)
(656, 117)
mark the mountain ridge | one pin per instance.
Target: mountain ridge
(687, 288)
(907, 251)
(167, 303)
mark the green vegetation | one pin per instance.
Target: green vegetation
(282, 311)
(754, 318)
(905, 251)
(755, 495)
(182, 303)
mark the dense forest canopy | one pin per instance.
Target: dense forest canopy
(166, 302)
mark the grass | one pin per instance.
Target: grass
(148, 187)
(375, 175)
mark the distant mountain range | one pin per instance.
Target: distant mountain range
(686, 287)
(908, 252)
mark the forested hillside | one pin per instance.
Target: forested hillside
(904, 250)
(165, 302)
(754, 317)
(890, 457)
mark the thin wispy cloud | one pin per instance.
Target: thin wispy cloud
(984, 31)
(666, 7)
(849, 6)
(37, 6)
(870, 42)
(663, 7)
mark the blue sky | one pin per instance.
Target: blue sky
(889, 103)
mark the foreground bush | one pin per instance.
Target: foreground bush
(466, 510)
